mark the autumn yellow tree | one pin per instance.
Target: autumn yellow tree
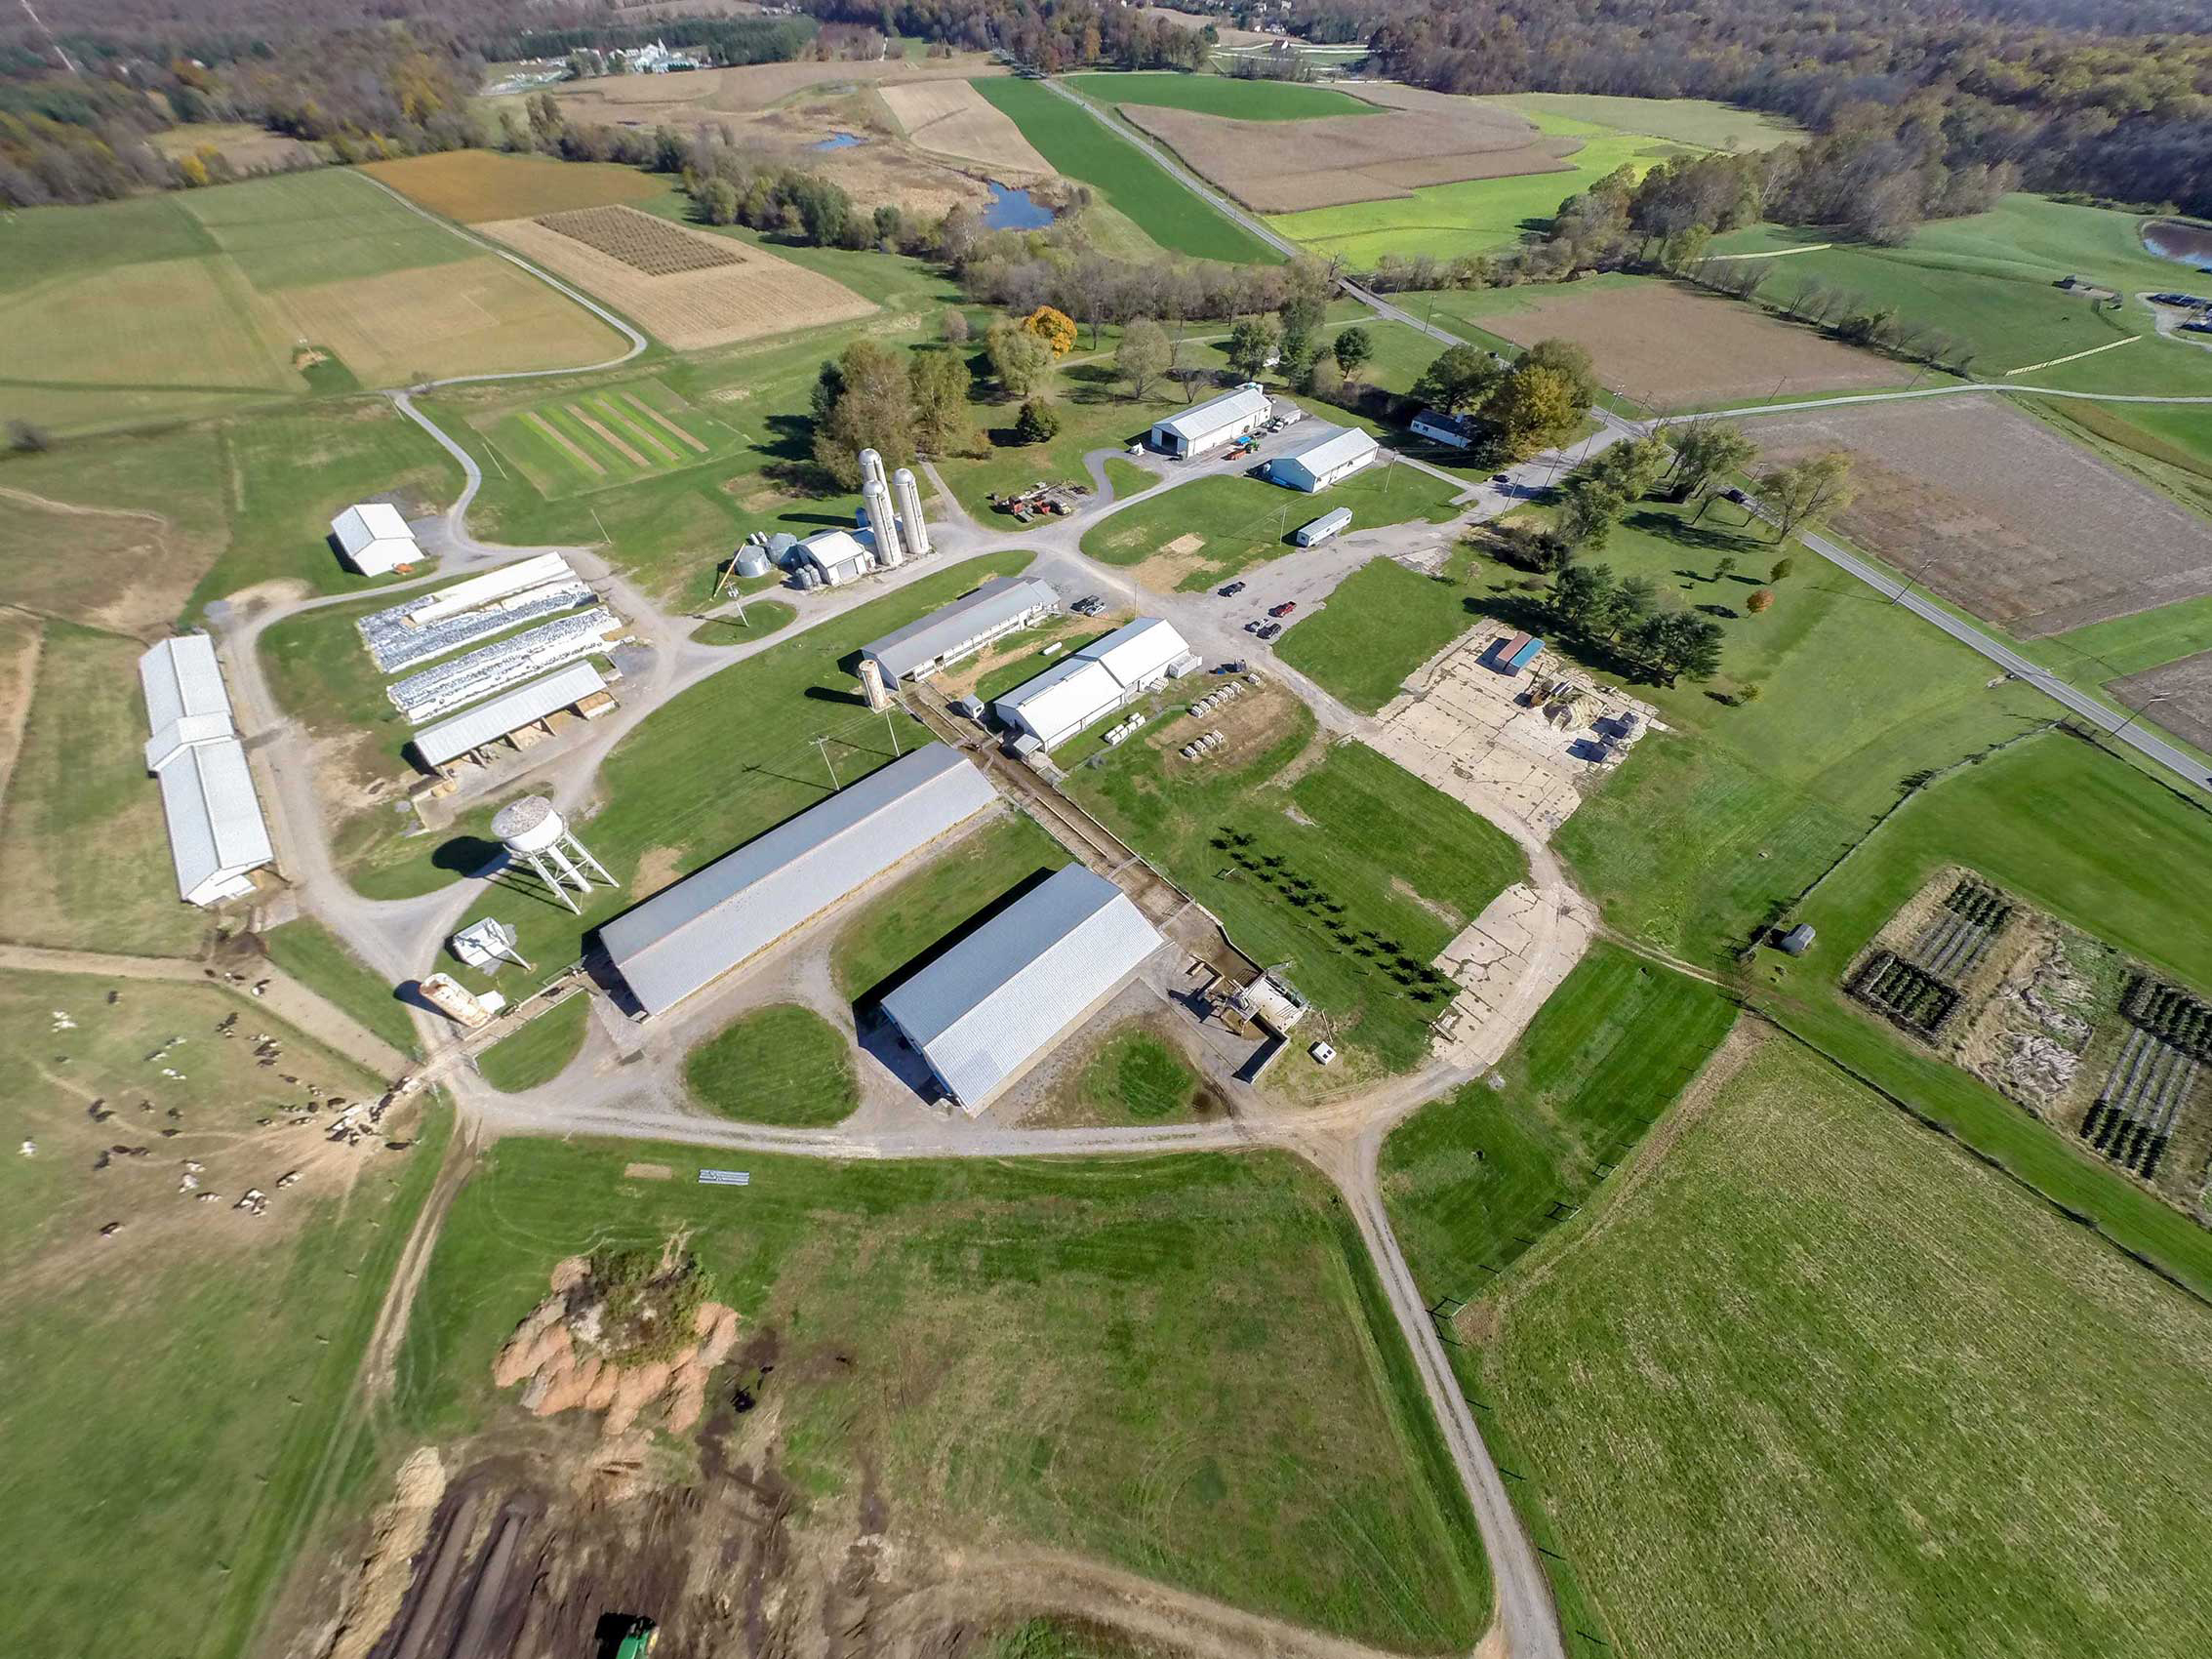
(1057, 329)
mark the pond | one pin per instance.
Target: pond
(839, 140)
(1013, 210)
(2185, 243)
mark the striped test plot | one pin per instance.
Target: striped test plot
(616, 434)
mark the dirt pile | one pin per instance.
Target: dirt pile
(621, 1334)
(373, 1599)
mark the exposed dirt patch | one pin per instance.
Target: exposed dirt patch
(114, 568)
(952, 118)
(655, 871)
(2183, 693)
(648, 1172)
(2015, 524)
(21, 641)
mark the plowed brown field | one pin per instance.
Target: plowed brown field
(950, 118)
(1423, 139)
(693, 309)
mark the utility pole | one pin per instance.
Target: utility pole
(891, 731)
(2134, 714)
(1899, 596)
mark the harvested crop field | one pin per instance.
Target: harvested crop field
(685, 101)
(1656, 341)
(690, 310)
(2015, 524)
(1421, 137)
(2184, 690)
(950, 118)
(475, 185)
(642, 242)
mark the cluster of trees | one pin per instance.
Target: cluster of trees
(1529, 405)
(2106, 100)
(904, 404)
(1626, 617)
(1847, 315)
(1051, 35)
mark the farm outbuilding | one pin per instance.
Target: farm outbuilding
(830, 559)
(375, 538)
(994, 1003)
(1217, 420)
(1097, 679)
(578, 686)
(690, 934)
(961, 628)
(1513, 653)
(1330, 454)
(1330, 523)
(1455, 431)
(216, 836)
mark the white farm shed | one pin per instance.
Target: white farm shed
(1216, 420)
(216, 836)
(961, 628)
(578, 685)
(833, 558)
(984, 1012)
(1330, 454)
(374, 539)
(1097, 679)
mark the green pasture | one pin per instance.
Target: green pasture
(320, 960)
(1244, 521)
(555, 443)
(541, 1050)
(179, 1393)
(1818, 1382)
(1382, 622)
(1136, 1077)
(298, 228)
(2106, 651)
(897, 927)
(1080, 146)
(783, 1064)
(1220, 95)
(1181, 1366)
(1393, 869)
(1694, 121)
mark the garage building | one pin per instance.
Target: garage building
(1328, 454)
(1049, 710)
(690, 934)
(1217, 420)
(961, 628)
(988, 1008)
(374, 539)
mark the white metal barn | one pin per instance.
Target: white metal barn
(1330, 454)
(1097, 679)
(1216, 420)
(961, 628)
(692, 933)
(374, 539)
(217, 836)
(984, 1012)
(578, 685)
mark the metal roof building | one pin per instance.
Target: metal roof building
(982, 1012)
(509, 711)
(961, 628)
(1097, 680)
(217, 835)
(1330, 454)
(1323, 528)
(1217, 420)
(375, 538)
(697, 930)
(835, 556)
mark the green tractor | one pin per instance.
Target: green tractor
(637, 1641)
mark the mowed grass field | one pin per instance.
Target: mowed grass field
(1080, 146)
(608, 435)
(1477, 215)
(1179, 1365)
(1817, 1382)
(1694, 121)
(1382, 622)
(783, 1064)
(1220, 95)
(210, 301)
(177, 1394)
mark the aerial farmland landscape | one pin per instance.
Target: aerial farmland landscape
(1076, 831)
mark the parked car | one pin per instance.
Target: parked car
(1271, 630)
(1235, 668)
(1735, 496)
(1251, 626)
(1284, 609)
(1232, 589)
(1500, 477)
(1088, 606)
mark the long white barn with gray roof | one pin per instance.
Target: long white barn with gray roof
(985, 1010)
(961, 628)
(690, 934)
(216, 836)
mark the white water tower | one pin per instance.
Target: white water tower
(532, 830)
(912, 530)
(882, 513)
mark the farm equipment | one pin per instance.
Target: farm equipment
(1042, 500)
(638, 1639)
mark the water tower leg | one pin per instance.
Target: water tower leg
(583, 856)
(546, 876)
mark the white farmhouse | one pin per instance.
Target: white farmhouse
(1330, 454)
(374, 539)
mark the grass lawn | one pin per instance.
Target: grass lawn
(2128, 645)
(762, 618)
(1405, 866)
(178, 1393)
(733, 757)
(1094, 414)
(540, 1051)
(1382, 622)
(1182, 1366)
(1240, 523)
(81, 824)
(1079, 145)
(319, 959)
(1476, 216)
(1694, 121)
(1136, 1078)
(1987, 282)
(1815, 1382)
(783, 1064)
(940, 899)
(1219, 95)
